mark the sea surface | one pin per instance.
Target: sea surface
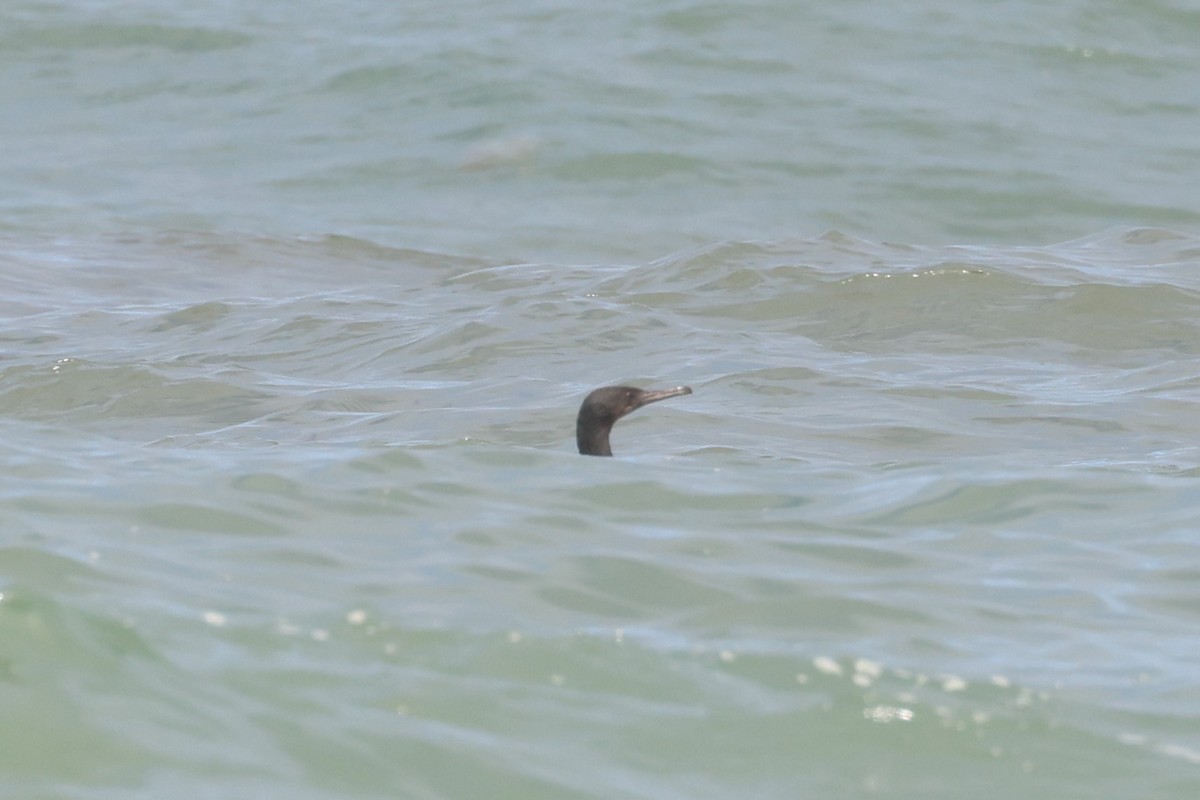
(298, 302)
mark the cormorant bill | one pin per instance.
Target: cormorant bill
(604, 406)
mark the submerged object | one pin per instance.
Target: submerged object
(604, 406)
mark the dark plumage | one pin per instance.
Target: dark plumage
(603, 407)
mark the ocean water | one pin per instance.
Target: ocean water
(297, 306)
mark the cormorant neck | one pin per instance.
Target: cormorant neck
(592, 437)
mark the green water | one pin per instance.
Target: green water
(296, 310)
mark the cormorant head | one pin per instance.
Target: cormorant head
(604, 406)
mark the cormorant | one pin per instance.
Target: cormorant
(604, 406)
